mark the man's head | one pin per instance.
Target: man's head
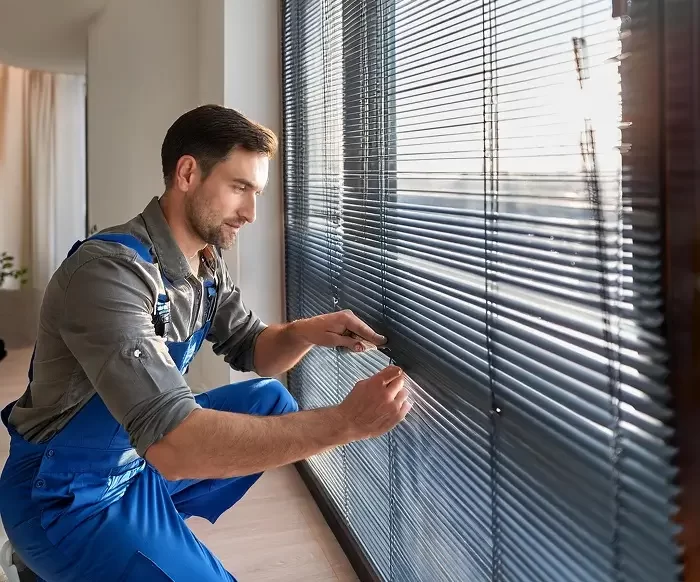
(216, 160)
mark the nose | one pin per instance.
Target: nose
(248, 210)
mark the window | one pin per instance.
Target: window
(473, 179)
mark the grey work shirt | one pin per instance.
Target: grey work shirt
(96, 334)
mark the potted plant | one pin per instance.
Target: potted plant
(8, 270)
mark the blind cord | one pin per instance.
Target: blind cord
(490, 169)
(607, 302)
(391, 441)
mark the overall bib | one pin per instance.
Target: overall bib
(84, 506)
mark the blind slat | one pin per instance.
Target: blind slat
(475, 180)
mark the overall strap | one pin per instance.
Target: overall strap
(211, 286)
(129, 241)
(210, 294)
(161, 311)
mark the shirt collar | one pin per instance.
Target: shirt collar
(173, 262)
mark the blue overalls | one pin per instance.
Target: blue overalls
(83, 506)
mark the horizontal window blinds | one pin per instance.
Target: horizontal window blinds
(479, 181)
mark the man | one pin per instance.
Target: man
(110, 450)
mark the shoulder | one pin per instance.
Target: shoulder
(130, 240)
(120, 253)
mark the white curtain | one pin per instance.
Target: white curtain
(42, 168)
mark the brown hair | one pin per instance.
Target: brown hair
(209, 134)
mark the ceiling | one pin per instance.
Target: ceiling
(46, 34)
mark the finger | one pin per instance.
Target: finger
(405, 409)
(395, 386)
(367, 345)
(389, 374)
(401, 395)
(355, 325)
(346, 341)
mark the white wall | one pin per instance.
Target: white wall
(149, 62)
(70, 164)
(48, 35)
(212, 51)
(142, 75)
(253, 86)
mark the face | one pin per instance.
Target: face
(217, 207)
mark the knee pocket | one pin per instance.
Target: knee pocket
(141, 569)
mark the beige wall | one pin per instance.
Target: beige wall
(148, 62)
(19, 316)
(253, 85)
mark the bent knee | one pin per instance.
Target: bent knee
(275, 397)
(261, 396)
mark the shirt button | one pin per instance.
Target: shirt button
(39, 483)
(50, 453)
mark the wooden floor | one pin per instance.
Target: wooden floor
(275, 533)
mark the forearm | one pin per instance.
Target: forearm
(278, 349)
(210, 444)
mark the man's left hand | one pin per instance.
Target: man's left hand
(342, 328)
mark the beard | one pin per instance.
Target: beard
(206, 224)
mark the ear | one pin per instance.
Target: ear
(186, 173)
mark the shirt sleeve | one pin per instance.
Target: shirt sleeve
(235, 328)
(107, 325)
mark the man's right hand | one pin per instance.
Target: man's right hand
(376, 405)
(210, 444)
